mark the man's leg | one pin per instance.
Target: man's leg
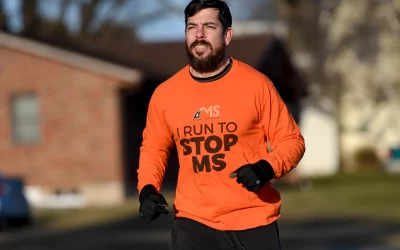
(191, 235)
(260, 238)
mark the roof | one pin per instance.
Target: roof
(163, 59)
(256, 27)
(264, 52)
(91, 64)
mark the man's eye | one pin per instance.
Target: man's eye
(211, 27)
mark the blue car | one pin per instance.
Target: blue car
(14, 206)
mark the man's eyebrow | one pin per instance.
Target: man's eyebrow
(206, 23)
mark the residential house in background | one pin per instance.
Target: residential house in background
(61, 127)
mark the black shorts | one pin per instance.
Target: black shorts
(188, 234)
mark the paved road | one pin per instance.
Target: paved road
(133, 233)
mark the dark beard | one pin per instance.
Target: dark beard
(208, 64)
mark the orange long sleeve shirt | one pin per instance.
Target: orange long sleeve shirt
(217, 127)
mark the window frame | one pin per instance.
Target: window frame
(16, 122)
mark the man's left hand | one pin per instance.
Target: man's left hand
(254, 176)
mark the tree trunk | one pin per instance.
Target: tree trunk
(31, 21)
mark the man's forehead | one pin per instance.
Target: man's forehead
(205, 16)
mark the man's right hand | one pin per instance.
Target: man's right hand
(152, 203)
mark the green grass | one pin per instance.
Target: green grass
(370, 194)
(75, 218)
(72, 218)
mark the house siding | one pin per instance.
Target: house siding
(79, 124)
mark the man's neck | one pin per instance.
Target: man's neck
(223, 64)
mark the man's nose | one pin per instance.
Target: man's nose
(199, 33)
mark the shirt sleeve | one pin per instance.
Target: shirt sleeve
(156, 145)
(282, 132)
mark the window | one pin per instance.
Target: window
(25, 115)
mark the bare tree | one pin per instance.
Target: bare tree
(355, 51)
(36, 26)
(120, 19)
(2, 17)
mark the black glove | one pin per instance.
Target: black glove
(254, 176)
(152, 203)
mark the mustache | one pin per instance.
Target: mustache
(200, 42)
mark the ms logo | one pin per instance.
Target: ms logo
(207, 113)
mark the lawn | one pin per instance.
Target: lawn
(370, 194)
(72, 218)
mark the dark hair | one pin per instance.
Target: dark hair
(224, 15)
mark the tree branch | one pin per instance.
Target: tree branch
(2, 17)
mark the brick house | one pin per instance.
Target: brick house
(60, 124)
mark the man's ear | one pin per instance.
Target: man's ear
(228, 36)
